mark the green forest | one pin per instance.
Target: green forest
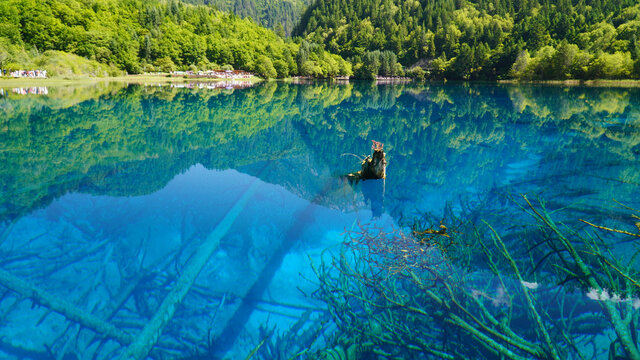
(424, 39)
(278, 15)
(148, 36)
(483, 39)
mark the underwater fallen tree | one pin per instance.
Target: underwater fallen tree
(254, 294)
(152, 331)
(99, 323)
(64, 308)
(469, 293)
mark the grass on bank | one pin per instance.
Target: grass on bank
(57, 64)
(65, 68)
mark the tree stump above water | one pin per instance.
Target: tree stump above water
(372, 167)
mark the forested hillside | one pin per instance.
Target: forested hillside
(279, 15)
(482, 39)
(454, 39)
(149, 35)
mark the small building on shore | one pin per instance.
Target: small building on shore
(39, 74)
(215, 74)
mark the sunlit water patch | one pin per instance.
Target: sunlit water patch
(162, 222)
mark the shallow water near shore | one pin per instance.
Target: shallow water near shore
(111, 193)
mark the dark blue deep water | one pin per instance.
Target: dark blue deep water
(196, 223)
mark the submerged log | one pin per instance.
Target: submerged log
(372, 167)
(66, 309)
(250, 300)
(143, 343)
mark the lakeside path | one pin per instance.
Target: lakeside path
(131, 79)
(165, 78)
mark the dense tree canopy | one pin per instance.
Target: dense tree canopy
(279, 15)
(456, 39)
(474, 39)
(137, 35)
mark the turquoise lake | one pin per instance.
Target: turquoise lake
(197, 222)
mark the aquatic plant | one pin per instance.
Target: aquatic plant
(298, 340)
(473, 294)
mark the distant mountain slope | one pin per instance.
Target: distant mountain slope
(148, 35)
(268, 13)
(483, 38)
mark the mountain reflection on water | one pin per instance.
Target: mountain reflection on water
(439, 139)
(123, 180)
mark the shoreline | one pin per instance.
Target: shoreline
(164, 78)
(129, 79)
(588, 83)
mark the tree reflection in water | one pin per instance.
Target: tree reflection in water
(509, 279)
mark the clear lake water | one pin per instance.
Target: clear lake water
(150, 221)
